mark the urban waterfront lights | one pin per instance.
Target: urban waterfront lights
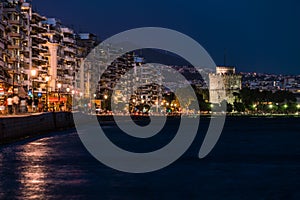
(298, 106)
(33, 73)
(47, 79)
(285, 106)
(58, 86)
(271, 106)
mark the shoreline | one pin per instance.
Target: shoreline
(15, 128)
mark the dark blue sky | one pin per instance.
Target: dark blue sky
(259, 35)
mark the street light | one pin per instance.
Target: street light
(47, 79)
(33, 73)
(59, 86)
(67, 103)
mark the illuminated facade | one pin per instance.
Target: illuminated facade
(224, 84)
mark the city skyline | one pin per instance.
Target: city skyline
(256, 37)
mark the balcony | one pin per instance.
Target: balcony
(14, 22)
(43, 69)
(2, 46)
(68, 40)
(1, 64)
(38, 16)
(13, 46)
(27, 60)
(13, 34)
(68, 77)
(26, 49)
(39, 28)
(39, 38)
(2, 28)
(13, 59)
(67, 30)
(44, 49)
(70, 50)
(70, 59)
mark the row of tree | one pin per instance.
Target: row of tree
(246, 100)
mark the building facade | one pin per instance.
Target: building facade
(224, 84)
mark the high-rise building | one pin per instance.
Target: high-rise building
(18, 35)
(61, 55)
(41, 56)
(4, 55)
(128, 78)
(86, 77)
(34, 49)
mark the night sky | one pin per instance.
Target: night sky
(258, 35)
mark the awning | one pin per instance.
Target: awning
(55, 99)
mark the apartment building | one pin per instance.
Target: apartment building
(17, 35)
(4, 55)
(135, 86)
(61, 55)
(86, 76)
(39, 56)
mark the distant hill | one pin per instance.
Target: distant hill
(161, 57)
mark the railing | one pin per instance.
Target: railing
(1, 26)
(70, 59)
(68, 40)
(67, 30)
(1, 63)
(16, 22)
(68, 49)
(2, 46)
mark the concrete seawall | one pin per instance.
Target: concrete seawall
(16, 128)
(19, 127)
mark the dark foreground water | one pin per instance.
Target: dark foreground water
(255, 158)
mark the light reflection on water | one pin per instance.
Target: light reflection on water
(33, 172)
(40, 169)
(254, 159)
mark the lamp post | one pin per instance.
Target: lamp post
(58, 86)
(33, 73)
(73, 100)
(105, 98)
(67, 103)
(13, 83)
(47, 78)
(58, 92)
